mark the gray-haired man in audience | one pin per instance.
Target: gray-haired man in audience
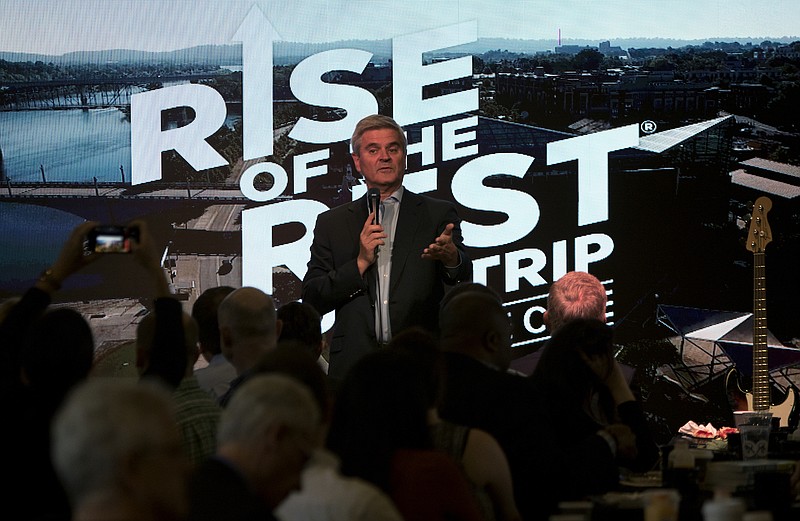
(118, 452)
(265, 439)
(249, 328)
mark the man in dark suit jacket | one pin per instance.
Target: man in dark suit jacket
(382, 278)
(480, 392)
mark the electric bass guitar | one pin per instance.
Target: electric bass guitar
(760, 396)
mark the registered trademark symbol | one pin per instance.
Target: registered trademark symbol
(648, 126)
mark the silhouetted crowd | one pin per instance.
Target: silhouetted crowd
(433, 426)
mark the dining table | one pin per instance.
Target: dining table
(761, 485)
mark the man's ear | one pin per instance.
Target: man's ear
(491, 341)
(225, 341)
(546, 319)
(224, 336)
(272, 438)
(356, 162)
(278, 327)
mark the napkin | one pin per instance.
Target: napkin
(705, 431)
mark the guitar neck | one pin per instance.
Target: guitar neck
(761, 390)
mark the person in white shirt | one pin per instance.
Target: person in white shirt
(217, 375)
(325, 494)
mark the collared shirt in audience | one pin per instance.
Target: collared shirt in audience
(198, 417)
(216, 377)
(326, 494)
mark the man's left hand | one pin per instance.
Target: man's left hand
(443, 249)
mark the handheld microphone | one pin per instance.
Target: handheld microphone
(374, 201)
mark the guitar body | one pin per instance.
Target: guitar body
(783, 405)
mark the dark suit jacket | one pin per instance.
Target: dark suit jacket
(545, 466)
(217, 491)
(333, 282)
(527, 365)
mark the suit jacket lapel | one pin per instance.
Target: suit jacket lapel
(358, 214)
(408, 222)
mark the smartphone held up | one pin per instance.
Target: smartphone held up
(108, 238)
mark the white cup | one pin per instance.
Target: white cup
(661, 504)
(755, 441)
(724, 509)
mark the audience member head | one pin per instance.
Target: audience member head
(204, 311)
(475, 324)
(564, 365)
(575, 295)
(467, 286)
(59, 353)
(423, 346)
(268, 431)
(301, 322)
(381, 406)
(146, 333)
(290, 359)
(248, 327)
(117, 451)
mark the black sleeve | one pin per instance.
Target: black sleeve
(13, 330)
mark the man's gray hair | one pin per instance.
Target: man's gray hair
(376, 122)
(248, 312)
(103, 422)
(265, 400)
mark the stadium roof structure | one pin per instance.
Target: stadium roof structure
(771, 177)
(741, 177)
(784, 169)
(663, 141)
(500, 135)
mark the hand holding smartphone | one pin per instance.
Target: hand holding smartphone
(108, 238)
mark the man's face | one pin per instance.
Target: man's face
(381, 159)
(282, 466)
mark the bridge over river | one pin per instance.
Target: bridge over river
(89, 93)
(94, 201)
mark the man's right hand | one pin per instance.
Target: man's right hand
(371, 237)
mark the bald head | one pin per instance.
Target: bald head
(475, 324)
(575, 295)
(248, 326)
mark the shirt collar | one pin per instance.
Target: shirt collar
(398, 194)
